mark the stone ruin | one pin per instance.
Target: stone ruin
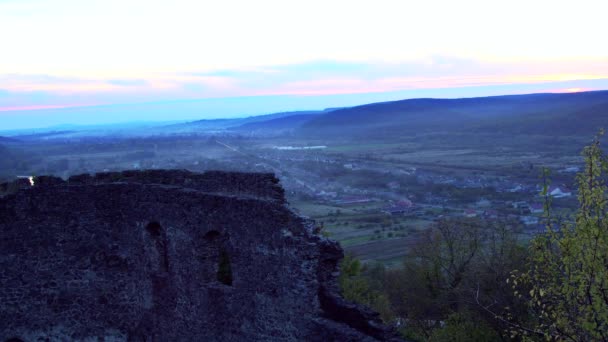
(168, 255)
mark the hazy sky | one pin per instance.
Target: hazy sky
(60, 53)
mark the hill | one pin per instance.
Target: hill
(6, 158)
(551, 114)
(7, 140)
(237, 123)
(279, 125)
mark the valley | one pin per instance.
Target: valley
(373, 194)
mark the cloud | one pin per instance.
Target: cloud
(35, 107)
(128, 83)
(315, 77)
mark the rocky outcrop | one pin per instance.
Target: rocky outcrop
(168, 256)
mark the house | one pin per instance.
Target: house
(571, 169)
(516, 188)
(470, 213)
(483, 203)
(393, 185)
(559, 192)
(400, 207)
(490, 214)
(405, 203)
(511, 217)
(521, 205)
(529, 220)
(537, 208)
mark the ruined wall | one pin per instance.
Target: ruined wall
(168, 256)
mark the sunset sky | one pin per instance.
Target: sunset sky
(287, 55)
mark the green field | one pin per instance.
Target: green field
(364, 231)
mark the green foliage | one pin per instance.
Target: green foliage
(458, 268)
(357, 288)
(455, 263)
(321, 230)
(566, 283)
(463, 327)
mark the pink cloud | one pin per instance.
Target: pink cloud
(36, 107)
(30, 92)
(573, 90)
(567, 90)
(354, 86)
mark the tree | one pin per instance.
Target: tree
(454, 263)
(565, 285)
(462, 327)
(357, 288)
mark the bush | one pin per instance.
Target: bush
(463, 327)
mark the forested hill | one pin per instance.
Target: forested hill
(547, 114)
(7, 160)
(267, 121)
(7, 140)
(281, 124)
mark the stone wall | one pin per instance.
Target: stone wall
(168, 256)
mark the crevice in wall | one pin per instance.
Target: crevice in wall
(159, 237)
(211, 235)
(224, 268)
(154, 228)
(215, 258)
(14, 339)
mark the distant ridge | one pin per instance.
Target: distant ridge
(250, 122)
(7, 139)
(545, 113)
(281, 124)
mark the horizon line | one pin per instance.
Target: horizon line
(42, 108)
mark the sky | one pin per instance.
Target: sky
(60, 58)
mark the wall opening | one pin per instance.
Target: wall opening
(160, 244)
(224, 268)
(215, 259)
(154, 228)
(212, 235)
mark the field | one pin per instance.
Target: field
(363, 231)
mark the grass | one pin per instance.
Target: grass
(364, 231)
(354, 241)
(315, 210)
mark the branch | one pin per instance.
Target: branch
(496, 316)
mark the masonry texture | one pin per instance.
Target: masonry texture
(168, 256)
